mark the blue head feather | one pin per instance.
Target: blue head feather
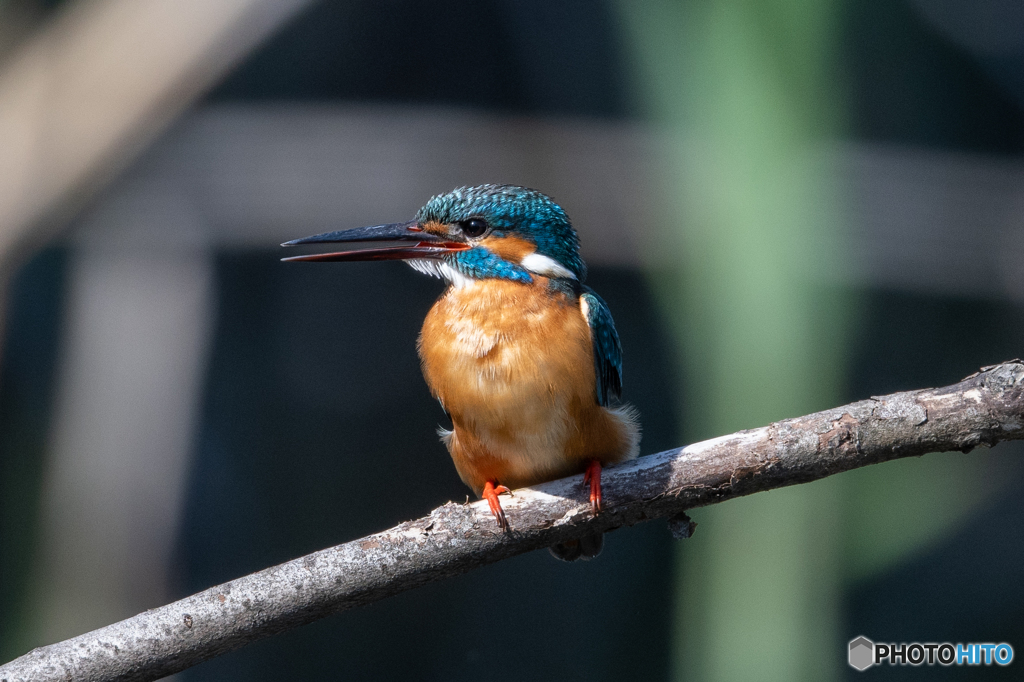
(509, 210)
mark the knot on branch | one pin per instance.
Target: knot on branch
(843, 439)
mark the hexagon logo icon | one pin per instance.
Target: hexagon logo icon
(862, 653)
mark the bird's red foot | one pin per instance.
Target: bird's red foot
(491, 492)
(593, 477)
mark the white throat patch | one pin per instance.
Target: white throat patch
(441, 270)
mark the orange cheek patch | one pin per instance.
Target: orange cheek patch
(511, 248)
(434, 227)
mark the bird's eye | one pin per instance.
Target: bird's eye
(474, 227)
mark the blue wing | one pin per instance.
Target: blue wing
(607, 350)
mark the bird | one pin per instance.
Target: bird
(523, 357)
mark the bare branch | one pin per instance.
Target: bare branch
(984, 409)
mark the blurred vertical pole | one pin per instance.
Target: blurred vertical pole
(138, 327)
(742, 263)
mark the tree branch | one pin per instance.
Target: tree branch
(983, 409)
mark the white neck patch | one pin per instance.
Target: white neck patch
(543, 265)
(441, 270)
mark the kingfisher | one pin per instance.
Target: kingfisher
(523, 357)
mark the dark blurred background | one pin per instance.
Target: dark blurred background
(787, 205)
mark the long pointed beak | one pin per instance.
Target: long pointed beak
(427, 245)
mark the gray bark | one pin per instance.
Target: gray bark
(983, 409)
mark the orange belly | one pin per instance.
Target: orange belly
(513, 366)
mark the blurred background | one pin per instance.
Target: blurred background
(788, 204)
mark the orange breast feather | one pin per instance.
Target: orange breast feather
(513, 365)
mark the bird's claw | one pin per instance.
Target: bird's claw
(490, 494)
(593, 477)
